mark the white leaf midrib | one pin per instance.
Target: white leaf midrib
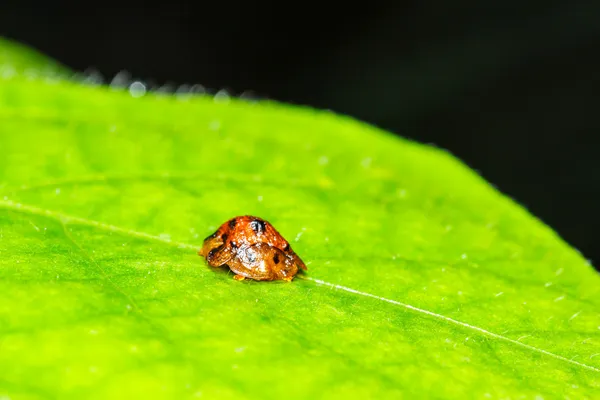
(66, 219)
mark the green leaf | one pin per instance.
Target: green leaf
(17, 60)
(423, 280)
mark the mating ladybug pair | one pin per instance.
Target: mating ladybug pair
(252, 248)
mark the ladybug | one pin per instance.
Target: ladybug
(252, 248)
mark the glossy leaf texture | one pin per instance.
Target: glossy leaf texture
(423, 280)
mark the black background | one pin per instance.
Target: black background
(512, 88)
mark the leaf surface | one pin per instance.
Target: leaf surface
(423, 280)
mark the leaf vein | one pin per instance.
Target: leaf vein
(64, 218)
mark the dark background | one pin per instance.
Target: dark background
(512, 87)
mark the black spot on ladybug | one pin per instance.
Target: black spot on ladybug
(258, 226)
(211, 254)
(276, 259)
(232, 223)
(224, 237)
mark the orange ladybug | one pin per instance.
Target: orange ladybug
(252, 248)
